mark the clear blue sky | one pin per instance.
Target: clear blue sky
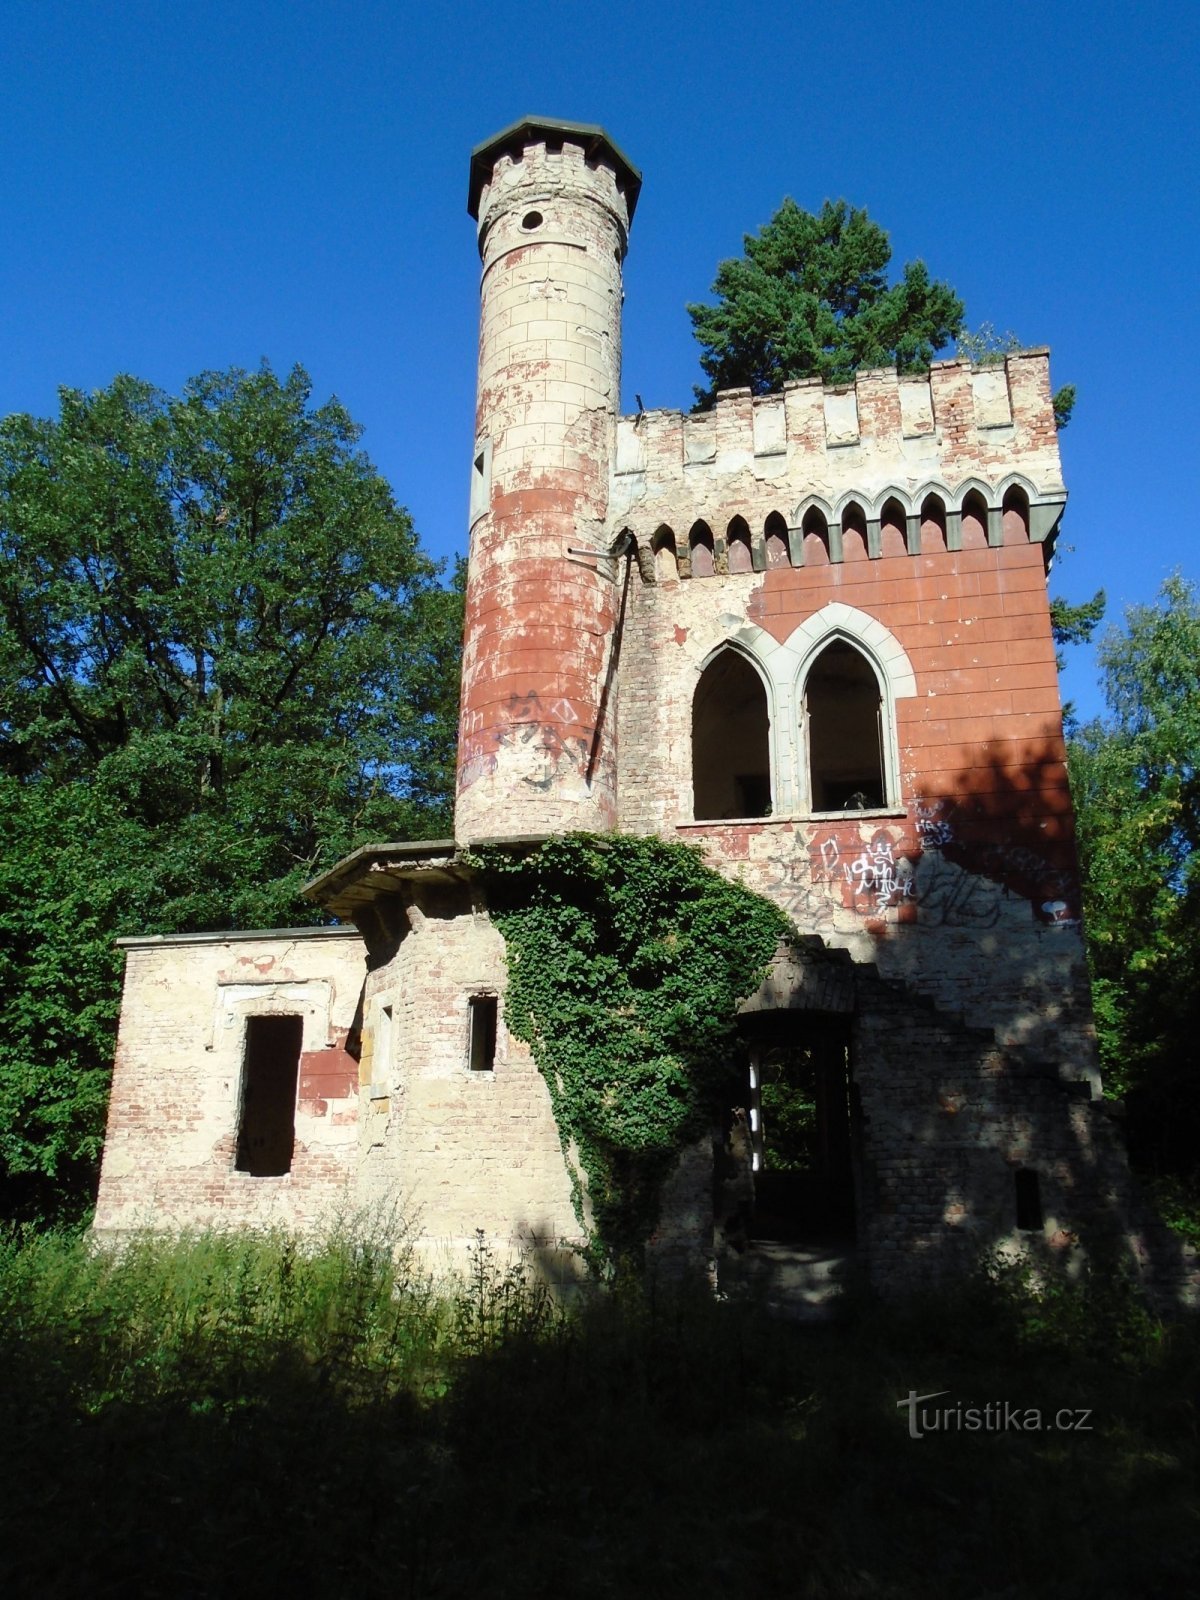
(201, 186)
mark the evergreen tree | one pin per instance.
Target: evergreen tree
(810, 298)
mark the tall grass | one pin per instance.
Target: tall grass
(233, 1414)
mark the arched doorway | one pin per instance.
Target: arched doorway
(803, 1127)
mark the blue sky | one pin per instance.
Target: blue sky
(199, 187)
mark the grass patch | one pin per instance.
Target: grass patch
(236, 1415)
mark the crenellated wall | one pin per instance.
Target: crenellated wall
(883, 439)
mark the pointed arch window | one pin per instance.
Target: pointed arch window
(737, 538)
(700, 549)
(846, 738)
(731, 741)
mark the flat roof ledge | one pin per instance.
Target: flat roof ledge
(148, 941)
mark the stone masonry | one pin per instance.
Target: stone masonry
(808, 633)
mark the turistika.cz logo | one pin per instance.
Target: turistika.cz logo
(998, 1416)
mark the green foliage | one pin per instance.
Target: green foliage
(496, 1305)
(627, 958)
(224, 662)
(1076, 624)
(810, 298)
(185, 1417)
(1135, 776)
(789, 1108)
(987, 348)
(223, 1320)
(1063, 402)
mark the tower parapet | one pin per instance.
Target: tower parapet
(553, 202)
(883, 435)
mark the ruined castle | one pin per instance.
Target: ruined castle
(807, 632)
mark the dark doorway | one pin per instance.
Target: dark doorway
(270, 1070)
(804, 1129)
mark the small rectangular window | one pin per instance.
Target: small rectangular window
(381, 1055)
(483, 1012)
(270, 1073)
(1029, 1200)
(481, 481)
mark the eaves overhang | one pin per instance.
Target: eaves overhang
(377, 870)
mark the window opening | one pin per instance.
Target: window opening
(854, 533)
(731, 730)
(270, 1073)
(777, 541)
(700, 548)
(1029, 1199)
(1016, 517)
(739, 555)
(893, 530)
(481, 481)
(933, 525)
(381, 1056)
(845, 731)
(483, 1010)
(666, 567)
(803, 1139)
(816, 538)
(974, 522)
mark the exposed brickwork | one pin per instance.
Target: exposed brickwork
(460, 1150)
(173, 1116)
(612, 560)
(536, 751)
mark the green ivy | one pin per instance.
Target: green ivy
(627, 958)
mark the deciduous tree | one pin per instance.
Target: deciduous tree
(1135, 775)
(224, 661)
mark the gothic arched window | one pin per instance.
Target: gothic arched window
(843, 714)
(731, 741)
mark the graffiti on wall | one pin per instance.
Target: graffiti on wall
(539, 743)
(790, 883)
(920, 871)
(1049, 886)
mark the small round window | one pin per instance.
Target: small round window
(532, 220)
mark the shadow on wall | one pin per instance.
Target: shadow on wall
(969, 1144)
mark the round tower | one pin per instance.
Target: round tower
(553, 203)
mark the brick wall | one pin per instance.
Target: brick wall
(458, 1150)
(173, 1116)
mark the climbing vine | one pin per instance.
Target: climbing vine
(627, 958)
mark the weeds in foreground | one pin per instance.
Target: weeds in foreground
(221, 1415)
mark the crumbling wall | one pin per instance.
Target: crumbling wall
(459, 1150)
(169, 1158)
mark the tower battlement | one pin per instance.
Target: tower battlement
(883, 435)
(544, 156)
